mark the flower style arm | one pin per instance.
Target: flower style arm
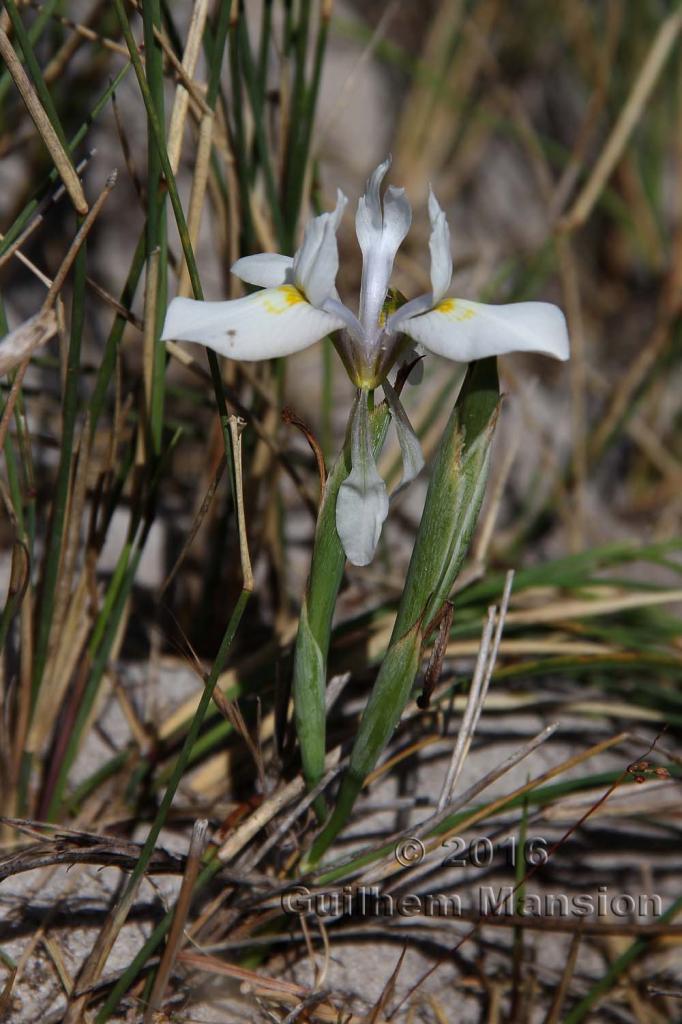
(380, 230)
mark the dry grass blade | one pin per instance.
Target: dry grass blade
(20, 343)
(623, 395)
(80, 32)
(42, 122)
(388, 866)
(387, 991)
(257, 659)
(553, 1015)
(629, 116)
(68, 652)
(474, 701)
(189, 63)
(552, 773)
(199, 182)
(279, 990)
(174, 942)
(13, 396)
(288, 821)
(290, 417)
(231, 712)
(6, 994)
(485, 664)
(18, 242)
(270, 808)
(576, 609)
(236, 427)
(55, 954)
(478, 816)
(196, 524)
(657, 795)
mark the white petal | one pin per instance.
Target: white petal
(439, 246)
(413, 458)
(266, 269)
(463, 330)
(273, 322)
(317, 261)
(362, 501)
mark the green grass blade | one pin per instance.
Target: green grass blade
(30, 38)
(36, 74)
(61, 491)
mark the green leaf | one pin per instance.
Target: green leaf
(311, 676)
(453, 499)
(389, 696)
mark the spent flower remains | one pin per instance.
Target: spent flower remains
(298, 305)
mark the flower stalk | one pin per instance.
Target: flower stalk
(453, 502)
(315, 623)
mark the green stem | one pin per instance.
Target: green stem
(70, 409)
(34, 34)
(251, 80)
(306, 119)
(156, 221)
(453, 500)
(240, 148)
(24, 39)
(312, 641)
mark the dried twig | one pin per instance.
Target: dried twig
(182, 905)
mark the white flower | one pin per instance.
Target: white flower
(299, 305)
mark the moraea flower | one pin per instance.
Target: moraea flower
(298, 305)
